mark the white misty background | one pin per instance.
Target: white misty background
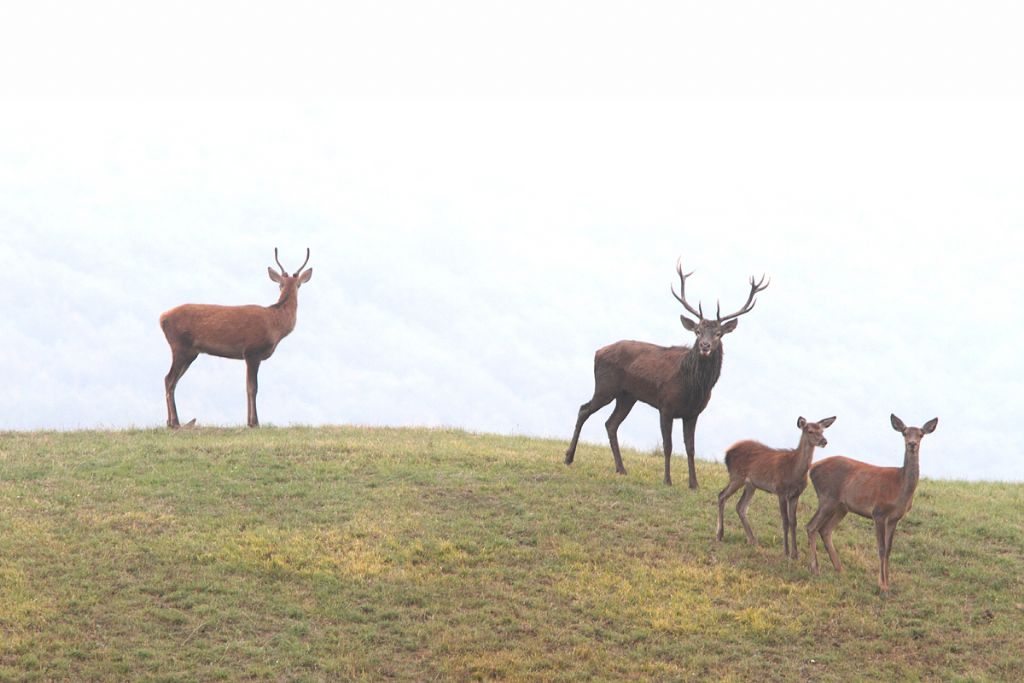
(492, 193)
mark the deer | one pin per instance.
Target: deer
(676, 380)
(882, 494)
(781, 471)
(250, 333)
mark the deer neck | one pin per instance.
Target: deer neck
(909, 474)
(285, 309)
(704, 369)
(804, 454)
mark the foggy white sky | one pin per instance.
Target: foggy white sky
(492, 191)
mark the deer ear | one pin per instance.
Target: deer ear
(800, 422)
(827, 422)
(688, 324)
(897, 423)
(729, 326)
(306, 276)
(273, 275)
(930, 425)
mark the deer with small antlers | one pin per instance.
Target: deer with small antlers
(883, 494)
(249, 333)
(752, 466)
(677, 380)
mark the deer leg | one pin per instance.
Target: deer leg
(787, 509)
(792, 502)
(741, 510)
(623, 405)
(586, 410)
(666, 444)
(689, 427)
(812, 543)
(822, 522)
(826, 536)
(179, 364)
(732, 487)
(890, 528)
(883, 585)
(784, 513)
(252, 368)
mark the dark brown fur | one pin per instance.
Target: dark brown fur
(782, 471)
(249, 333)
(883, 494)
(677, 380)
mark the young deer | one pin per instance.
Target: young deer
(781, 471)
(677, 380)
(883, 494)
(249, 333)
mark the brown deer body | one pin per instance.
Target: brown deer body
(752, 466)
(882, 494)
(676, 380)
(249, 333)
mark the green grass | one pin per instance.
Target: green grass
(366, 554)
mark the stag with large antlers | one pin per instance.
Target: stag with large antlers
(249, 333)
(882, 494)
(677, 380)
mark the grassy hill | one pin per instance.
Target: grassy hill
(349, 553)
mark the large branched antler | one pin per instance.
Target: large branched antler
(681, 297)
(759, 286)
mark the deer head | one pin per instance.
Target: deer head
(709, 332)
(913, 435)
(815, 430)
(295, 279)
